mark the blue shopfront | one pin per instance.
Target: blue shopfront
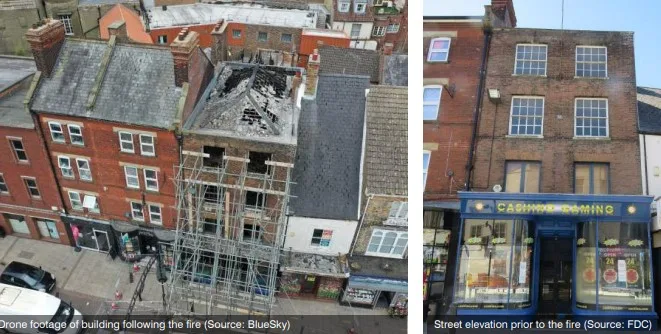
(554, 254)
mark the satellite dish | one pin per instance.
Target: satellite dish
(497, 188)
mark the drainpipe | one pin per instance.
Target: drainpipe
(647, 180)
(478, 105)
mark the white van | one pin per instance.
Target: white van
(28, 311)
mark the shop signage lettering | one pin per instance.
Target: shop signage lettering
(550, 208)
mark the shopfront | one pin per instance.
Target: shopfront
(91, 234)
(135, 242)
(554, 254)
(370, 291)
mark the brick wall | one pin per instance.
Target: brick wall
(204, 30)
(108, 179)
(448, 138)
(274, 41)
(329, 287)
(557, 150)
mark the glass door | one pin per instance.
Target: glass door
(555, 275)
(102, 242)
(47, 229)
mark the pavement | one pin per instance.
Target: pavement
(89, 280)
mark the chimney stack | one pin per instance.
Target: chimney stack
(387, 49)
(501, 14)
(182, 49)
(118, 29)
(46, 39)
(312, 73)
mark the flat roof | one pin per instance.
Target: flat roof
(203, 13)
(325, 33)
(15, 69)
(15, 72)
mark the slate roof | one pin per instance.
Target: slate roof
(336, 60)
(229, 108)
(17, 4)
(395, 70)
(15, 71)
(138, 86)
(386, 142)
(649, 110)
(326, 172)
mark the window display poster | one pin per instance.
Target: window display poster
(607, 263)
(619, 268)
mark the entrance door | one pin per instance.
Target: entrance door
(309, 284)
(555, 275)
(102, 242)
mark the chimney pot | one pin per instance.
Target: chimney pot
(45, 40)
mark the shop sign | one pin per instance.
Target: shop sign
(359, 296)
(557, 208)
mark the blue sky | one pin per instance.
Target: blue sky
(639, 16)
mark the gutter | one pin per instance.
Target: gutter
(478, 106)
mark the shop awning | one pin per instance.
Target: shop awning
(377, 283)
(164, 235)
(123, 227)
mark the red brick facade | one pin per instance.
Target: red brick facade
(448, 138)
(559, 150)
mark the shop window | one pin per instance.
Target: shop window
(591, 178)
(530, 59)
(527, 116)
(17, 223)
(258, 161)
(47, 229)
(126, 142)
(3, 185)
(321, 238)
(130, 243)
(387, 243)
(251, 232)
(439, 49)
(56, 132)
(616, 266)
(215, 158)
(155, 214)
(75, 200)
(522, 176)
(151, 179)
(136, 211)
(491, 273)
(147, 145)
(76, 134)
(33, 189)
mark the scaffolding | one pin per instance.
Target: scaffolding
(231, 215)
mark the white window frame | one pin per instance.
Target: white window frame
(283, 40)
(143, 145)
(526, 97)
(3, 182)
(162, 39)
(391, 254)
(66, 20)
(36, 186)
(121, 141)
(88, 169)
(546, 59)
(396, 208)
(343, 6)
(150, 179)
(79, 200)
(79, 134)
(136, 177)
(63, 168)
(432, 50)
(437, 104)
(393, 28)
(379, 31)
(358, 4)
(575, 117)
(158, 221)
(360, 25)
(585, 62)
(134, 210)
(425, 169)
(96, 208)
(54, 131)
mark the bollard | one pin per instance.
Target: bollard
(130, 277)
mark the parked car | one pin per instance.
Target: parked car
(27, 276)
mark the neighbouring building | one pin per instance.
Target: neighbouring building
(126, 20)
(65, 11)
(556, 186)
(326, 190)
(30, 203)
(378, 261)
(391, 24)
(96, 15)
(356, 18)
(649, 132)
(338, 60)
(112, 138)
(15, 18)
(311, 39)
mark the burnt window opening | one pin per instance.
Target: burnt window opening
(211, 225)
(255, 200)
(251, 231)
(211, 194)
(215, 158)
(257, 162)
